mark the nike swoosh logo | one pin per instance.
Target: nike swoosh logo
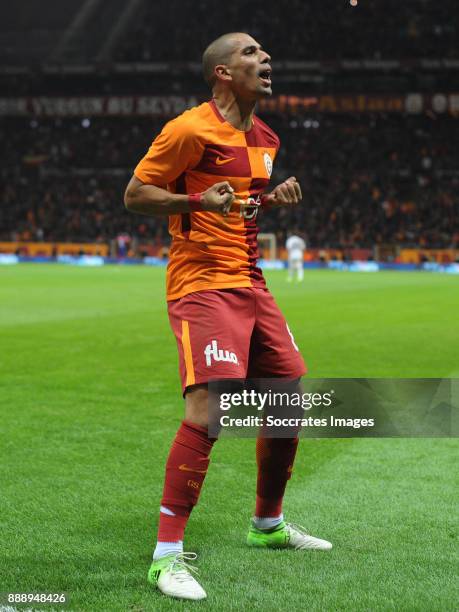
(185, 468)
(219, 161)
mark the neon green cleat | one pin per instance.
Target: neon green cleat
(172, 575)
(285, 535)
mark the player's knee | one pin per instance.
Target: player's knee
(196, 405)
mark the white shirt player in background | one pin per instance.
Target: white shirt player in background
(295, 247)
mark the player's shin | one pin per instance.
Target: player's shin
(275, 457)
(186, 468)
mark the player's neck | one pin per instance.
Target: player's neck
(237, 112)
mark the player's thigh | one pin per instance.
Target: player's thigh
(273, 351)
(213, 331)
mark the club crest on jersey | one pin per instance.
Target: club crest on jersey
(213, 352)
(268, 163)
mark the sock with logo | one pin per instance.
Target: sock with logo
(186, 468)
(275, 457)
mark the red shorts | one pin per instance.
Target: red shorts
(233, 333)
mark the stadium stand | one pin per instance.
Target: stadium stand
(369, 178)
(317, 29)
(366, 179)
(29, 31)
(140, 47)
(148, 31)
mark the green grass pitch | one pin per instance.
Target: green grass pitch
(90, 401)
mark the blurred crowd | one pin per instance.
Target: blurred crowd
(63, 180)
(366, 180)
(371, 180)
(313, 30)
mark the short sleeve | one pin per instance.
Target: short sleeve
(175, 150)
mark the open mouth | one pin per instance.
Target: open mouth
(265, 76)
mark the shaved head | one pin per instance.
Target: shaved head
(219, 52)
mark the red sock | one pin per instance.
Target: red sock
(275, 457)
(186, 469)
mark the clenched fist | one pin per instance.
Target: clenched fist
(218, 198)
(287, 193)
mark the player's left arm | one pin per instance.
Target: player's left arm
(286, 194)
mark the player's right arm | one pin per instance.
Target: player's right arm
(152, 200)
(176, 150)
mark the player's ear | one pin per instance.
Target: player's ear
(223, 72)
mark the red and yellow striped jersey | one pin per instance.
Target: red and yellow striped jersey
(193, 152)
